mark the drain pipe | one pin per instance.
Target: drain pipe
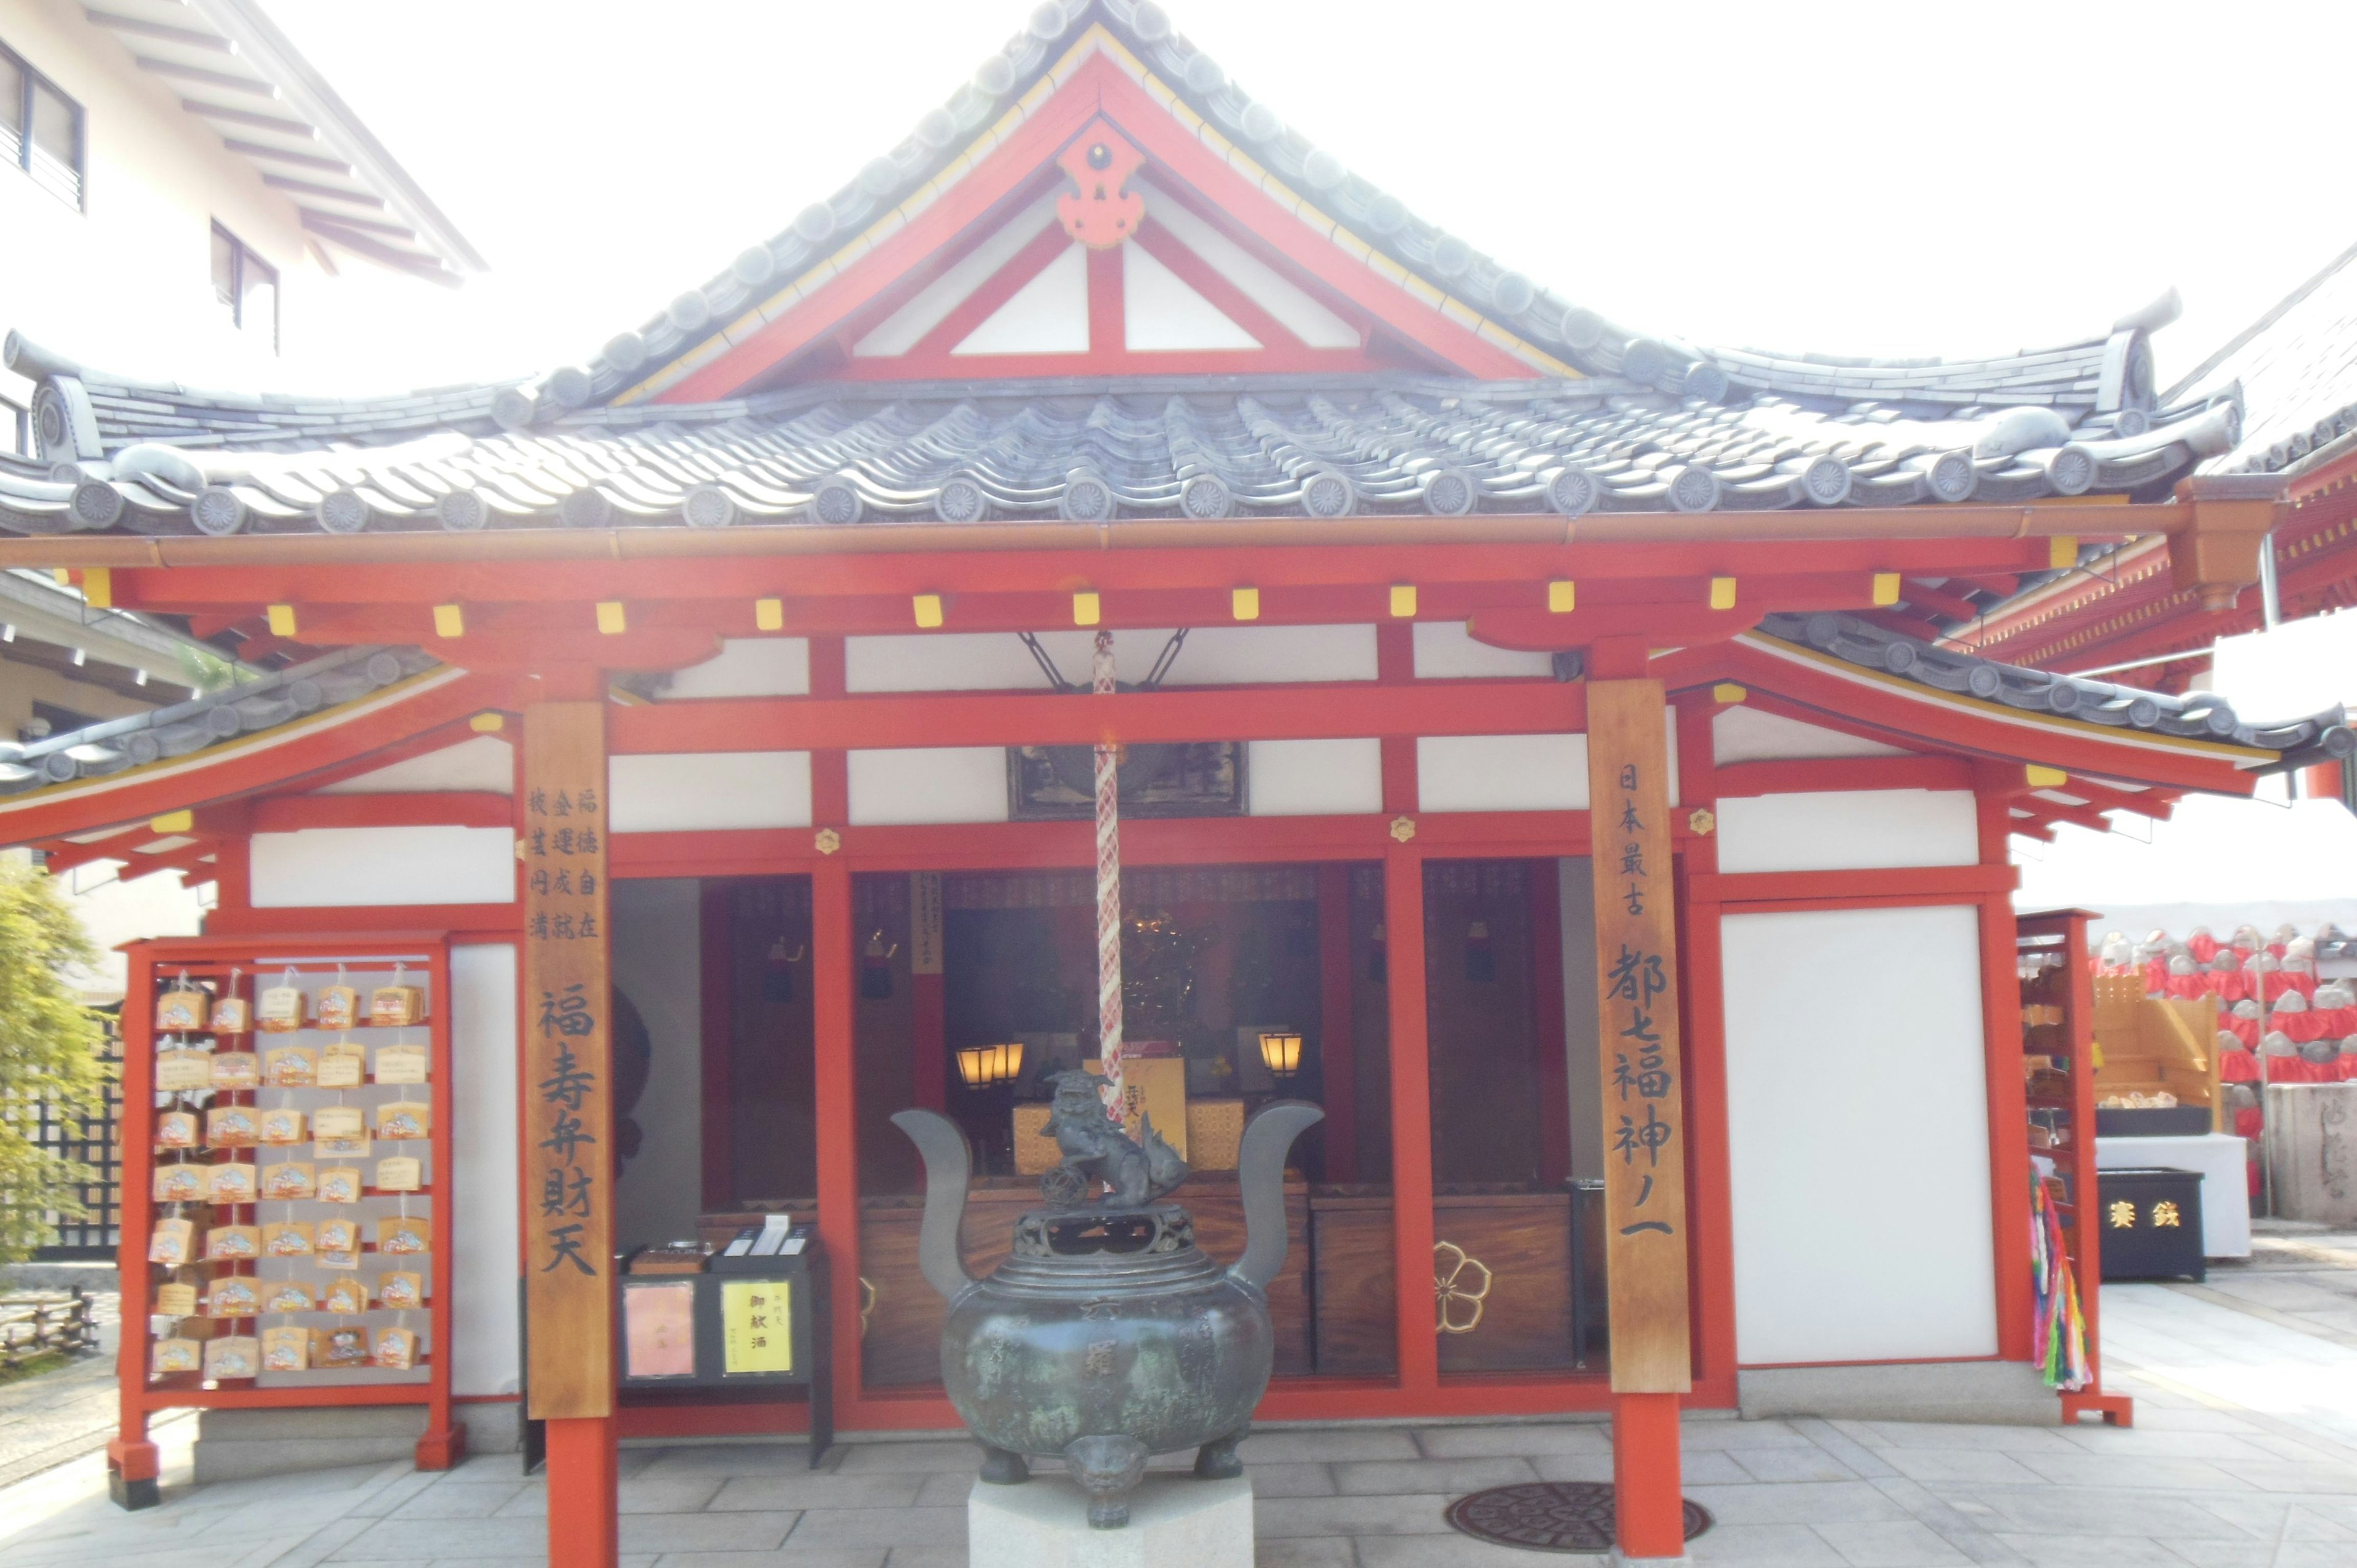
(2270, 598)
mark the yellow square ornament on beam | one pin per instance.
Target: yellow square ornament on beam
(611, 618)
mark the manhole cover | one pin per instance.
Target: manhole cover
(1550, 1516)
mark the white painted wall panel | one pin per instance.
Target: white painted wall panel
(905, 328)
(701, 790)
(929, 784)
(747, 667)
(1501, 773)
(1160, 312)
(1314, 777)
(1857, 1124)
(1848, 830)
(1300, 312)
(344, 867)
(1445, 651)
(1742, 734)
(486, 764)
(1213, 656)
(1049, 315)
(486, 1357)
(658, 965)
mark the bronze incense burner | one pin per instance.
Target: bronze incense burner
(1108, 1336)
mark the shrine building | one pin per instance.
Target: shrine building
(1533, 748)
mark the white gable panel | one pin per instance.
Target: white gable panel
(1809, 987)
(906, 328)
(1848, 830)
(1749, 735)
(747, 667)
(485, 763)
(1299, 312)
(1160, 311)
(340, 868)
(694, 792)
(1049, 315)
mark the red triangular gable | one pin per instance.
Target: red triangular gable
(998, 269)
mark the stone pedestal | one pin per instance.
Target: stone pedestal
(2312, 1151)
(1174, 1522)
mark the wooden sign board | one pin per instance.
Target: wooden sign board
(1637, 1005)
(569, 1066)
(924, 922)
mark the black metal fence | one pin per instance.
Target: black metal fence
(91, 1140)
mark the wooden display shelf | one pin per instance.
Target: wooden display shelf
(159, 965)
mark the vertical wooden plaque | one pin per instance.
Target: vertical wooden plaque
(568, 1063)
(1637, 1007)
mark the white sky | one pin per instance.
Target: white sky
(1931, 178)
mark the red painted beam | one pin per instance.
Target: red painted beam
(1844, 773)
(456, 808)
(1256, 713)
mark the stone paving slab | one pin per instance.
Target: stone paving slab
(2240, 1456)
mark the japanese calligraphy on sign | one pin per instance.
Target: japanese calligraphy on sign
(1637, 1037)
(924, 922)
(757, 1326)
(568, 1111)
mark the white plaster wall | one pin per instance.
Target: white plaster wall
(348, 867)
(1313, 778)
(1300, 312)
(1213, 656)
(1501, 773)
(691, 791)
(486, 764)
(659, 965)
(486, 1269)
(1161, 312)
(747, 667)
(1445, 651)
(1742, 734)
(1848, 830)
(929, 784)
(1857, 1125)
(906, 327)
(1048, 315)
(127, 281)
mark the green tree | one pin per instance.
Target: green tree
(48, 1052)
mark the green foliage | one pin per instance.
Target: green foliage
(48, 1051)
(207, 672)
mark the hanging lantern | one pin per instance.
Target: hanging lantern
(875, 967)
(982, 1066)
(1480, 959)
(777, 971)
(1280, 1052)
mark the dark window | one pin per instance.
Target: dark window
(15, 429)
(246, 285)
(40, 130)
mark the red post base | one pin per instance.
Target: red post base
(1649, 1508)
(132, 1468)
(583, 1528)
(441, 1450)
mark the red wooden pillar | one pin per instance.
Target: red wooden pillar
(133, 1465)
(1337, 1057)
(583, 1526)
(2008, 1111)
(1412, 1228)
(834, 1097)
(718, 941)
(1648, 1512)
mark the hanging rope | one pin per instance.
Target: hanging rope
(1108, 894)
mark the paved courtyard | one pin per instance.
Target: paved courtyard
(2244, 1453)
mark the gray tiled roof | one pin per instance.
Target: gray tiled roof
(182, 728)
(2200, 715)
(1323, 445)
(2294, 371)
